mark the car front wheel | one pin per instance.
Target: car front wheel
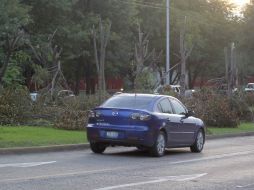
(98, 148)
(159, 146)
(199, 142)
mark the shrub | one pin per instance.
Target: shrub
(249, 97)
(215, 110)
(71, 120)
(15, 106)
(74, 112)
(242, 107)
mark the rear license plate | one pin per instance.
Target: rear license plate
(112, 134)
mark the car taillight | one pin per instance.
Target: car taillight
(91, 114)
(135, 116)
(144, 117)
(141, 117)
(97, 114)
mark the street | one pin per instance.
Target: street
(224, 164)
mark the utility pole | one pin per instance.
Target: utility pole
(168, 44)
(226, 65)
(232, 69)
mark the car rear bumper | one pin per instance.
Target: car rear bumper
(126, 135)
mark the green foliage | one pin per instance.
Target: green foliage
(25, 136)
(243, 128)
(146, 80)
(250, 99)
(214, 109)
(71, 120)
(15, 104)
(40, 76)
(246, 41)
(18, 64)
(210, 25)
(13, 75)
(13, 16)
(73, 115)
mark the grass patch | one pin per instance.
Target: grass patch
(11, 136)
(38, 136)
(244, 127)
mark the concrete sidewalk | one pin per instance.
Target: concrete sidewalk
(55, 148)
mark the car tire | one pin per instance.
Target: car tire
(98, 148)
(198, 146)
(158, 149)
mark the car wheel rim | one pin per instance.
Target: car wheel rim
(200, 141)
(161, 144)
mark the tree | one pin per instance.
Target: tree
(246, 42)
(102, 38)
(211, 26)
(184, 55)
(13, 19)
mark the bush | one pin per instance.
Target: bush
(74, 112)
(249, 97)
(242, 107)
(71, 120)
(15, 106)
(215, 110)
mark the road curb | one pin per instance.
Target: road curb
(212, 137)
(57, 148)
(42, 149)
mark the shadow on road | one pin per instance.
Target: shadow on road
(139, 153)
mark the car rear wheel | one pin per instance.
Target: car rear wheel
(159, 146)
(98, 148)
(199, 142)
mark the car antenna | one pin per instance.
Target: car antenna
(135, 101)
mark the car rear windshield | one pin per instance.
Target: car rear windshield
(129, 102)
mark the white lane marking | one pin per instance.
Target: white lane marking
(214, 157)
(26, 165)
(245, 186)
(58, 175)
(160, 180)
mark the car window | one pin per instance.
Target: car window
(178, 107)
(164, 106)
(129, 102)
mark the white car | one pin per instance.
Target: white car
(175, 88)
(249, 87)
(34, 96)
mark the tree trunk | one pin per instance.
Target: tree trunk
(104, 35)
(183, 63)
(53, 82)
(4, 67)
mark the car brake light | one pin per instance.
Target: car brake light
(141, 117)
(97, 114)
(91, 114)
(135, 116)
(144, 117)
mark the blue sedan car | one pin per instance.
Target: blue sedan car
(145, 121)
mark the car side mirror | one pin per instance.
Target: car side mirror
(190, 113)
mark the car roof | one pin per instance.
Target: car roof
(154, 96)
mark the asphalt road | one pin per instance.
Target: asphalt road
(224, 164)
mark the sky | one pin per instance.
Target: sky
(240, 3)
